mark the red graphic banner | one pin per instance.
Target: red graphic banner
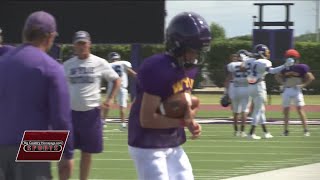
(42, 146)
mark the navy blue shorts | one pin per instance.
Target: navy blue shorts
(88, 130)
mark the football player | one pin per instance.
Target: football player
(123, 68)
(257, 69)
(238, 92)
(155, 140)
(293, 79)
(244, 56)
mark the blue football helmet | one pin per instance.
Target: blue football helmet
(261, 51)
(187, 30)
(113, 56)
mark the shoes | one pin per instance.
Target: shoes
(123, 126)
(243, 134)
(104, 122)
(286, 133)
(307, 133)
(237, 133)
(267, 135)
(253, 136)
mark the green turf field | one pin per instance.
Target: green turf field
(214, 99)
(216, 155)
(275, 99)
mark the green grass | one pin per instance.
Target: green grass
(214, 99)
(275, 99)
(227, 113)
(216, 155)
(269, 114)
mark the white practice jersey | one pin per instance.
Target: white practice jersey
(257, 69)
(84, 80)
(244, 57)
(239, 77)
(121, 67)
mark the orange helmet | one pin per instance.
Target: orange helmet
(292, 53)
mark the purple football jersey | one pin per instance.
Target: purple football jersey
(34, 95)
(158, 75)
(297, 70)
(5, 48)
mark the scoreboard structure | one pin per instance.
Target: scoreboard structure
(278, 40)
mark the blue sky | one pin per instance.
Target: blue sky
(236, 16)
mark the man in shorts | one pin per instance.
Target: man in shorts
(293, 79)
(84, 72)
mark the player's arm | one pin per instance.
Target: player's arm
(111, 76)
(131, 72)
(227, 83)
(289, 62)
(149, 118)
(59, 107)
(308, 78)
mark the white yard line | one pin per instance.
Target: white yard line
(225, 146)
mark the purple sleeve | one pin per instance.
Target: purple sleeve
(304, 69)
(59, 107)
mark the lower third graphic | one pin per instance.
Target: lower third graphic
(42, 146)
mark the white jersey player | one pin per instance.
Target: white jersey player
(123, 68)
(238, 93)
(257, 69)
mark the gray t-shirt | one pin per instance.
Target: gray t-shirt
(84, 80)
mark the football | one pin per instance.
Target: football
(176, 105)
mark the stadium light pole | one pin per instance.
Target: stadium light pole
(254, 20)
(317, 21)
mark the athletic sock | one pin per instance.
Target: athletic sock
(242, 128)
(252, 129)
(264, 128)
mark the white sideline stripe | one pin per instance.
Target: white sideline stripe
(214, 146)
(133, 169)
(231, 153)
(231, 136)
(196, 160)
(110, 138)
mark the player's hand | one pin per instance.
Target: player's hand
(107, 104)
(289, 62)
(195, 129)
(65, 167)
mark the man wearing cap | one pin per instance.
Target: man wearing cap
(34, 96)
(84, 72)
(293, 79)
(4, 48)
